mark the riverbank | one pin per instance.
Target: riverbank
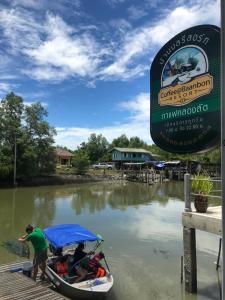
(61, 179)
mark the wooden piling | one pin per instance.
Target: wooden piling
(190, 262)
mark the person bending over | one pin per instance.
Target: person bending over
(37, 238)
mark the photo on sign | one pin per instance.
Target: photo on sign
(183, 65)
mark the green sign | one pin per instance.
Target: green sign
(185, 91)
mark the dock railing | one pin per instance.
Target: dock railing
(188, 193)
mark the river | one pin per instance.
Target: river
(141, 226)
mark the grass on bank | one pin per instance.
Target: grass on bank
(67, 170)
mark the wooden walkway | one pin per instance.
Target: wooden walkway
(211, 221)
(16, 286)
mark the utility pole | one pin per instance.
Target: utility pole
(223, 137)
(14, 175)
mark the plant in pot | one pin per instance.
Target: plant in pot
(201, 187)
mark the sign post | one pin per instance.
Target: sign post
(223, 138)
(187, 109)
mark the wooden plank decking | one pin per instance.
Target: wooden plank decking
(16, 286)
(211, 221)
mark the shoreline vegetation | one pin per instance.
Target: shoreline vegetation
(61, 179)
(28, 154)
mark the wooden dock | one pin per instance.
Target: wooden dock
(15, 285)
(211, 221)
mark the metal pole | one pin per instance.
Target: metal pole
(218, 257)
(223, 136)
(187, 192)
(14, 177)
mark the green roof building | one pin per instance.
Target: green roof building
(131, 155)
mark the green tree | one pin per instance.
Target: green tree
(80, 162)
(121, 142)
(41, 135)
(96, 147)
(25, 127)
(11, 116)
(136, 142)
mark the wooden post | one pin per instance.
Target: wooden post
(190, 262)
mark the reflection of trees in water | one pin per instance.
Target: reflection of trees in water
(44, 209)
(25, 206)
(131, 194)
(38, 205)
(95, 197)
(173, 189)
(166, 190)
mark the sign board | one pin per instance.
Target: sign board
(185, 91)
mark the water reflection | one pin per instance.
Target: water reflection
(141, 225)
(20, 207)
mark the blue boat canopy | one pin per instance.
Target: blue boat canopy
(68, 234)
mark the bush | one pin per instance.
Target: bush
(80, 162)
(201, 184)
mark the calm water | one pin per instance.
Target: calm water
(141, 226)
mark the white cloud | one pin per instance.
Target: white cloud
(120, 25)
(136, 13)
(6, 88)
(28, 3)
(114, 2)
(137, 125)
(56, 51)
(29, 103)
(40, 4)
(146, 40)
(139, 107)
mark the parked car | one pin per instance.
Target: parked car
(103, 166)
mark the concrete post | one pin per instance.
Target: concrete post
(187, 199)
(190, 262)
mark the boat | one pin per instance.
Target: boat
(65, 235)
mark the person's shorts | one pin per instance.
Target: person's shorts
(40, 258)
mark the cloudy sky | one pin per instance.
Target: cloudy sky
(88, 61)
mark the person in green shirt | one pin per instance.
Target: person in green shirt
(37, 238)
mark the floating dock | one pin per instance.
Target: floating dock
(15, 285)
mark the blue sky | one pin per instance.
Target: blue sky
(88, 61)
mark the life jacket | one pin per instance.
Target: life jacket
(61, 268)
(100, 272)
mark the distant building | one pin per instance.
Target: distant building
(63, 157)
(123, 155)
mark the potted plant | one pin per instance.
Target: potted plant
(201, 186)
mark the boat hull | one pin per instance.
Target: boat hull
(89, 289)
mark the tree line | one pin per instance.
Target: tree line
(27, 142)
(97, 148)
(26, 139)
